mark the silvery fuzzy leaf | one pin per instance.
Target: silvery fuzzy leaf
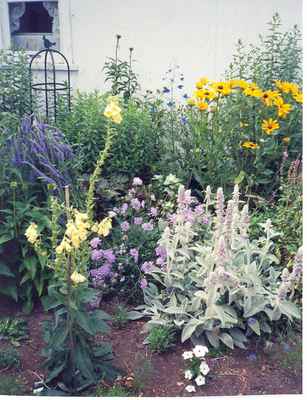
(226, 339)
(254, 325)
(289, 309)
(213, 338)
(189, 329)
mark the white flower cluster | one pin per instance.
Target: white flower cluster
(198, 367)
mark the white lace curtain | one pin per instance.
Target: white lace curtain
(18, 9)
(52, 9)
(16, 12)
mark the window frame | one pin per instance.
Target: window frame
(64, 7)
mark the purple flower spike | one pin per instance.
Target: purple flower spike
(135, 254)
(96, 255)
(95, 242)
(109, 256)
(143, 283)
(147, 226)
(125, 226)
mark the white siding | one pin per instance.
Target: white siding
(199, 35)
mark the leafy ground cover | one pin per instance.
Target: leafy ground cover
(237, 372)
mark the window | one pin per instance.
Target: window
(30, 21)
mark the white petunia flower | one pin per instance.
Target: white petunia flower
(190, 388)
(204, 368)
(200, 380)
(200, 351)
(188, 374)
(187, 355)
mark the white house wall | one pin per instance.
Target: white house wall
(199, 35)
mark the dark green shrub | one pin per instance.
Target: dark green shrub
(14, 82)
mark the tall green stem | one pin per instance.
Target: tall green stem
(69, 292)
(103, 155)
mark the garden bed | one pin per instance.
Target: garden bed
(238, 372)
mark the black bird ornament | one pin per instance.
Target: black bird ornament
(47, 43)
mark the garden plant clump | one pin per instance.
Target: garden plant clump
(215, 283)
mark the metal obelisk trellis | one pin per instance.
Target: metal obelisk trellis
(48, 86)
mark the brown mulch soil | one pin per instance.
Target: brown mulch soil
(231, 374)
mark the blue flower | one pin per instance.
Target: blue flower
(184, 120)
(171, 103)
(252, 357)
(185, 96)
(165, 90)
(286, 347)
(180, 86)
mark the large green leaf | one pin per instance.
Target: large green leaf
(5, 270)
(9, 290)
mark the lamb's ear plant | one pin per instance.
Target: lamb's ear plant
(217, 285)
(74, 360)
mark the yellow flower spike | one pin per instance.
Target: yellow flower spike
(202, 106)
(250, 145)
(269, 126)
(113, 110)
(63, 247)
(286, 139)
(104, 227)
(284, 109)
(77, 278)
(31, 233)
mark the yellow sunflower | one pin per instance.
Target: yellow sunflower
(284, 109)
(252, 90)
(269, 96)
(223, 88)
(250, 145)
(202, 106)
(269, 125)
(298, 97)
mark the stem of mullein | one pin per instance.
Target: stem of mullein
(103, 155)
(14, 211)
(69, 291)
(116, 64)
(130, 70)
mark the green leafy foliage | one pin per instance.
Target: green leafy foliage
(278, 56)
(14, 330)
(161, 339)
(73, 360)
(11, 386)
(114, 391)
(9, 358)
(120, 74)
(120, 317)
(14, 82)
